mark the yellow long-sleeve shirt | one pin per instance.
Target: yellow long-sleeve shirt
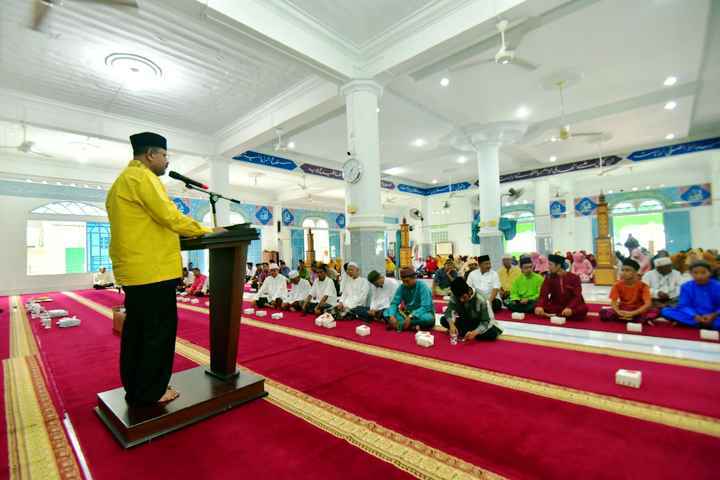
(145, 228)
(507, 277)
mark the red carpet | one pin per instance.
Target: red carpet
(257, 440)
(4, 353)
(507, 431)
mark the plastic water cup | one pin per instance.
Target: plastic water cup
(453, 339)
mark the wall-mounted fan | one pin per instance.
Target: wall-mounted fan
(513, 194)
(416, 214)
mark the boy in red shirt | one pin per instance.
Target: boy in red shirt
(631, 299)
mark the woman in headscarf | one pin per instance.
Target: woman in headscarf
(642, 259)
(582, 267)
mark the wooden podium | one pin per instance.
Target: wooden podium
(204, 391)
(605, 270)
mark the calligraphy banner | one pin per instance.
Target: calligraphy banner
(672, 150)
(266, 160)
(586, 206)
(311, 169)
(560, 169)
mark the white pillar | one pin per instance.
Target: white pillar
(715, 186)
(426, 245)
(364, 204)
(220, 183)
(543, 234)
(283, 237)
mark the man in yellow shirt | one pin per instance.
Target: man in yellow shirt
(507, 273)
(145, 227)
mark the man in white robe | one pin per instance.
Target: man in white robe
(103, 279)
(323, 294)
(354, 294)
(381, 294)
(273, 290)
(664, 283)
(300, 289)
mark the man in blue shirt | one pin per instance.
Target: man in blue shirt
(699, 303)
(444, 277)
(411, 308)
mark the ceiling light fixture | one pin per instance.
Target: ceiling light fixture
(553, 158)
(462, 159)
(553, 139)
(419, 142)
(671, 105)
(670, 81)
(377, 110)
(394, 171)
(134, 70)
(291, 145)
(647, 187)
(635, 189)
(522, 112)
(610, 191)
(669, 136)
(444, 82)
(434, 181)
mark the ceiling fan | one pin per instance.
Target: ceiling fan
(303, 187)
(513, 194)
(26, 146)
(564, 132)
(281, 145)
(41, 8)
(504, 56)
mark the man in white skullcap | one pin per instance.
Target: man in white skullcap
(664, 283)
(273, 289)
(299, 290)
(354, 294)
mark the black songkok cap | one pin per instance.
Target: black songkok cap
(483, 258)
(629, 262)
(141, 141)
(557, 259)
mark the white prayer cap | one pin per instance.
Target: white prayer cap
(353, 264)
(663, 262)
(508, 257)
(293, 274)
(274, 266)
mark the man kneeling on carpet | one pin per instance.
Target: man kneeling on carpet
(411, 308)
(467, 314)
(323, 295)
(382, 293)
(561, 293)
(354, 295)
(525, 289)
(273, 290)
(699, 303)
(631, 301)
(300, 289)
(103, 279)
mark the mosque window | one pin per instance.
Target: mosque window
(624, 208)
(321, 237)
(70, 208)
(649, 206)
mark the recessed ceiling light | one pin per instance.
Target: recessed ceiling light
(553, 158)
(134, 70)
(73, 185)
(434, 181)
(522, 112)
(662, 185)
(647, 187)
(671, 105)
(419, 142)
(610, 191)
(28, 180)
(635, 189)
(444, 82)
(670, 81)
(58, 183)
(553, 139)
(377, 110)
(291, 145)
(462, 159)
(394, 171)
(669, 136)
(44, 182)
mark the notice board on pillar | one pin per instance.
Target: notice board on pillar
(444, 248)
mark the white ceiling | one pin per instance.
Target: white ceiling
(211, 75)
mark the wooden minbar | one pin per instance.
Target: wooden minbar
(605, 270)
(405, 251)
(206, 390)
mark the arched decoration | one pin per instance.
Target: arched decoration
(639, 196)
(321, 237)
(638, 206)
(78, 209)
(315, 223)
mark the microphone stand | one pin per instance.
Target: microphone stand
(213, 197)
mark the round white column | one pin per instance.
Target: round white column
(543, 232)
(715, 187)
(363, 199)
(220, 183)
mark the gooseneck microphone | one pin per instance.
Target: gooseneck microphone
(186, 180)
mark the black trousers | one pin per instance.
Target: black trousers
(518, 307)
(496, 304)
(148, 341)
(464, 326)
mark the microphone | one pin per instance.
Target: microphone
(186, 180)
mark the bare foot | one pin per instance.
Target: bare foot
(170, 395)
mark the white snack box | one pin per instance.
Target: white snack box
(260, 313)
(628, 378)
(518, 316)
(68, 322)
(57, 313)
(363, 330)
(557, 320)
(249, 311)
(706, 334)
(446, 297)
(421, 333)
(425, 340)
(634, 327)
(194, 300)
(318, 322)
(276, 316)
(332, 324)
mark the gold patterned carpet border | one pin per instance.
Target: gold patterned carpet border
(411, 456)
(22, 341)
(643, 411)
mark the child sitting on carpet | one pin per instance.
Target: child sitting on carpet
(699, 303)
(631, 300)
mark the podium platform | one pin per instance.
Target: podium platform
(204, 391)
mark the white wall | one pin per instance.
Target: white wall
(14, 280)
(704, 233)
(456, 220)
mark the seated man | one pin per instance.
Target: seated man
(103, 279)
(443, 277)
(664, 283)
(411, 308)
(300, 289)
(561, 293)
(699, 302)
(284, 269)
(507, 275)
(260, 275)
(467, 315)
(250, 271)
(470, 267)
(630, 297)
(354, 294)
(273, 290)
(525, 289)
(486, 282)
(323, 295)
(382, 293)
(198, 285)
